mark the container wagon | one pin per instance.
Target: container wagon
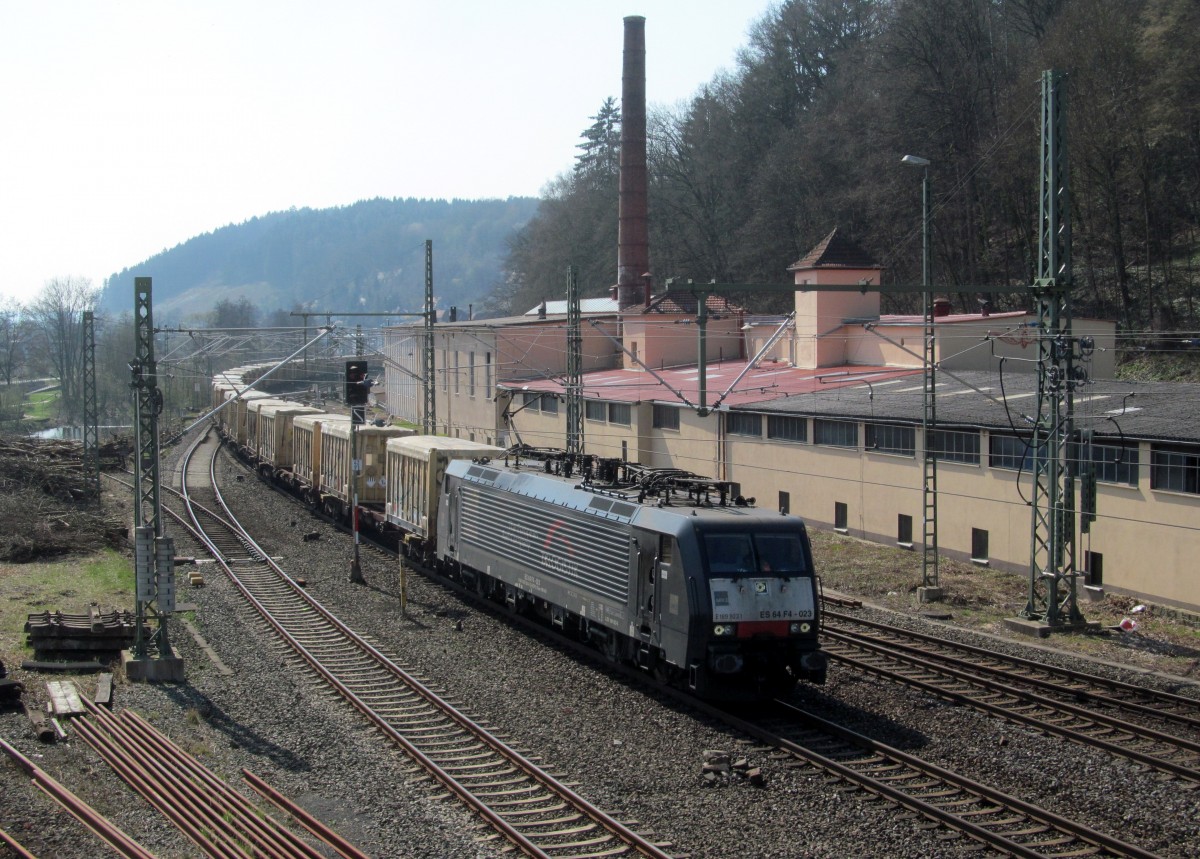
(416, 467)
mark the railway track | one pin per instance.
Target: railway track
(536, 812)
(1165, 707)
(1068, 704)
(965, 808)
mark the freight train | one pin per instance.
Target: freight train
(658, 568)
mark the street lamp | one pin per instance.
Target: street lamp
(930, 590)
(926, 273)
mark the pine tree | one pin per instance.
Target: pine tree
(601, 145)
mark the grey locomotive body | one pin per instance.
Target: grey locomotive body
(718, 598)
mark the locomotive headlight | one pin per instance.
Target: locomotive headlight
(799, 628)
(725, 630)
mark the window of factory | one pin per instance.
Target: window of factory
(904, 530)
(487, 373)
(892, 438)
(1175, 469)
(785, 502)
(619, 413)
(841, 516)
(445, 366)
(1093, 568)
(457, 378)
(531, 402)
(955, 446)
(1116, 463)
(835, 433)
(1010, 452)
(740, 423)
(594, 410)
(787, 428)
(979, 545)
(471, 374)
(549, 404)
(666, 417)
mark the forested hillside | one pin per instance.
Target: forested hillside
(807, 134)
(367, 256)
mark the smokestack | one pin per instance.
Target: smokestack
(633, 239)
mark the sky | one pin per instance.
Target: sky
(130, 127)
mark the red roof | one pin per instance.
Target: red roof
(769, 381)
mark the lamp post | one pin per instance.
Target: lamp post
(930, 590)
(926, 273)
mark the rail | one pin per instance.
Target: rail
(534, 811)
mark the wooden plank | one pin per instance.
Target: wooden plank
(37, 720)
(103, 696)
(64, 698)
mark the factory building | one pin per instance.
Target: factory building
(820, 412)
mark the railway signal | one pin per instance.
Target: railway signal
(358, 390)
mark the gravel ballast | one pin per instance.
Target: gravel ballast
(620, 746)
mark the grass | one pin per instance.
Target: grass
(1182, 366)
(104, 579)
(42, 406)
(890, 576)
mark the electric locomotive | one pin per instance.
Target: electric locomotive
(658, 568)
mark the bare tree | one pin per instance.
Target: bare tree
(12, 339)
(234, 314)
(115, 348)
(57, 317)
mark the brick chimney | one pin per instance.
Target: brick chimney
(633, 238)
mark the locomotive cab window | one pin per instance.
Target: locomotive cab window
(729, 554)
(734, 555)
(780, 553)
